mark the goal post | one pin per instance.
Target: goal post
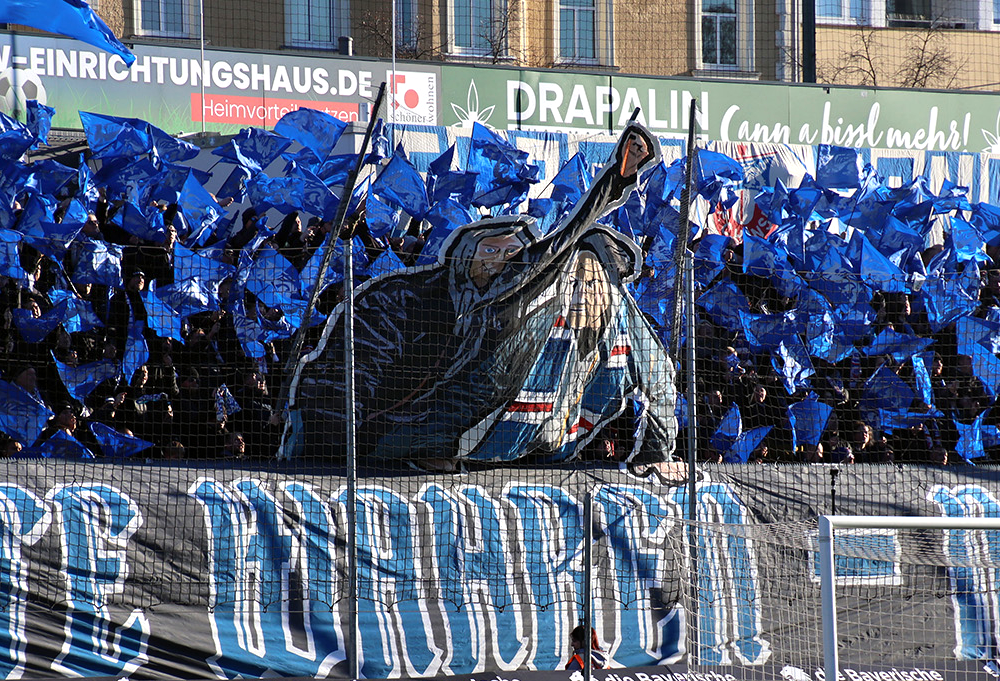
(827, 526)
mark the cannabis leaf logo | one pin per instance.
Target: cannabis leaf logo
(471, 113)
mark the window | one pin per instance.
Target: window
(908, 12)
(407, 25)
(314, 23)
(577, 30)
(983, 15)
(841, 12)
(167, 18)
(475, 28)
(718, 33)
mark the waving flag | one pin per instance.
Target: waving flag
(808, 419)
(163, 320)
(136, 350)
(795, 366)
(503, 173)
(401, 184)
(290, 194)
(77, 314)
(80, 381)
(21, 415)
(98, 263)
(723, 303)
(745, 444)
(729, 429)
(273, 279)
(253, 149)
(36, 329)
(115, 137)
(117, 444)
(189, 296)
(900, 345)
(71, 18)
(60, 446)
(572, 180)
(717, 177)
(970, 439)
(315, 130)
(15, 138)
(838, 167)
(39, 119)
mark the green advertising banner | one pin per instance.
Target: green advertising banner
(726, 111)
(172, 88)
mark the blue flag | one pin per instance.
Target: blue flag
(21, 415)
(77, 314)
(71, 18)
(115, 444)
(572, 180)
(235, 186)
(248, 329)
(922, 378)
(272, 278)
(387, 262)
(198, 207)
(253, 149)
(503, 173)
(39, 119)
(718, 177)
(723, 303)
(162, 319)
(60, 446)
(970, 439)
(36, 329)
(10, 259)
(147, 227)
(189, 296)
(189, 264)
(136, 350)
(838, 167)
(444, 218)
(708, 261)
(791, 361)
(290, 194)
(98, 263)
(80, 381)
(947, 297)
(885, 390)
(401, 184)
(315, 130)
(877, 270)
(115, 137)
(746, 442)
(808, 419)
(15, 138)
(767, 331)
(966, 241)
(728, 431)
(899, 345)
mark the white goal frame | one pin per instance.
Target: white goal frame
(827, 525)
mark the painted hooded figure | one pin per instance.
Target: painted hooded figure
(511, 345)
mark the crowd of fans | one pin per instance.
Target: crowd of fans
(942, 415)
(118, 381)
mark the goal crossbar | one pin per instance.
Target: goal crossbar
(829, 523)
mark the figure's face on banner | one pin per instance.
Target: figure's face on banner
(492, 254)
(590, 294)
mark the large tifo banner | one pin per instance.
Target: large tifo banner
(175, 572)
(178, 90)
